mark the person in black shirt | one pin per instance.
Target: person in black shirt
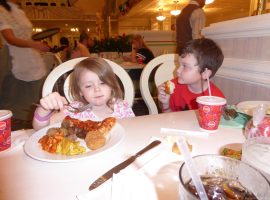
(140, 52)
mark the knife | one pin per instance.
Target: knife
(122, 165)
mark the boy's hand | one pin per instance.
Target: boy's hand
(163, 97)
(53, 101)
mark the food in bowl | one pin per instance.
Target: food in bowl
(232, 153)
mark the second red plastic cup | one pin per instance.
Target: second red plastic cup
(209, 112)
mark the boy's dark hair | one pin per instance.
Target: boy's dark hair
(207, 53)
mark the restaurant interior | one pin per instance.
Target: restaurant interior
(218, 150)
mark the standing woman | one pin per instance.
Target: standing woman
(25, 69)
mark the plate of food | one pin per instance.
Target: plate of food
(248, 106)
(73, 140)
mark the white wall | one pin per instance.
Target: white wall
(245, 42)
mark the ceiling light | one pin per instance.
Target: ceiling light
(161, 18)
(175, 12)
(209, 1)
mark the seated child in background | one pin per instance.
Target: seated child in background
(92, 82)
(201, 58)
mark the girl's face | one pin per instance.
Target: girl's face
(135, 44)
(93, 89)
(189, 71)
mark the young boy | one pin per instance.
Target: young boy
(200, 58)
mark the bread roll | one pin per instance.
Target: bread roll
(169, 87)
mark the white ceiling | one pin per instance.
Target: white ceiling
(219, 10)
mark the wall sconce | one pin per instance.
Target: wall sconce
(176, 11)
(160, 16)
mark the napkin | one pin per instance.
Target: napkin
(238, 122)
(149, 177)
(132, 186)
(18, 138)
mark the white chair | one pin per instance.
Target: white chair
(167, 64)
(51, 60)
(68, 66)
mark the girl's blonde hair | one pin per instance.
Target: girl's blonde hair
(105, 73)
(139, 39)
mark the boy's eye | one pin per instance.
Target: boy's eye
(101, 83)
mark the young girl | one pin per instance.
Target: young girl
(140, 51)
(92, 82)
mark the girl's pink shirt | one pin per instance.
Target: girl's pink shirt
(121, 110)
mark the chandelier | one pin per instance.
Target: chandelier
(160, 16)
(176, 11)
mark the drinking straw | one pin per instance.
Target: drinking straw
(208, 82)
(182, 145)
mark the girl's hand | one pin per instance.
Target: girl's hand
(53, 101)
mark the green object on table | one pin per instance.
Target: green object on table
(238, 122)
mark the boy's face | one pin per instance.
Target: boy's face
(189, 71)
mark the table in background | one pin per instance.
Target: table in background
(23, 178)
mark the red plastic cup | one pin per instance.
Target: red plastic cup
(5, 129)
(209, 112)
(140, 60)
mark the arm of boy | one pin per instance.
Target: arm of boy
(164, 98)
(44, 113)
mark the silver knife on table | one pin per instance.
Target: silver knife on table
(122, 165)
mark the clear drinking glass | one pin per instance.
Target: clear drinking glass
(256, 152)
(224, 167)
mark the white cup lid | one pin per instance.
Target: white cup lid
(211, 100)
(4, 114)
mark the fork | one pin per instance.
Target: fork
(73, 109)
(79, 109)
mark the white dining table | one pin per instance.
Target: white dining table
(25, 178)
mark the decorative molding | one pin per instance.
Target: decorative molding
(253, 26)
(253, 71)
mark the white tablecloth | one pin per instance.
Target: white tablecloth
(24, 178)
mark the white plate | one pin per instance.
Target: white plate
(247, 106)
(33, 149)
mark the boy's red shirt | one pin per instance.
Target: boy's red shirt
(183, 99)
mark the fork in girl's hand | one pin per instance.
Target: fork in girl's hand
(73, 109)
(79, 109)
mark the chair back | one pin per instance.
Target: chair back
(51, 60)
(68, 66)
(166, 65)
